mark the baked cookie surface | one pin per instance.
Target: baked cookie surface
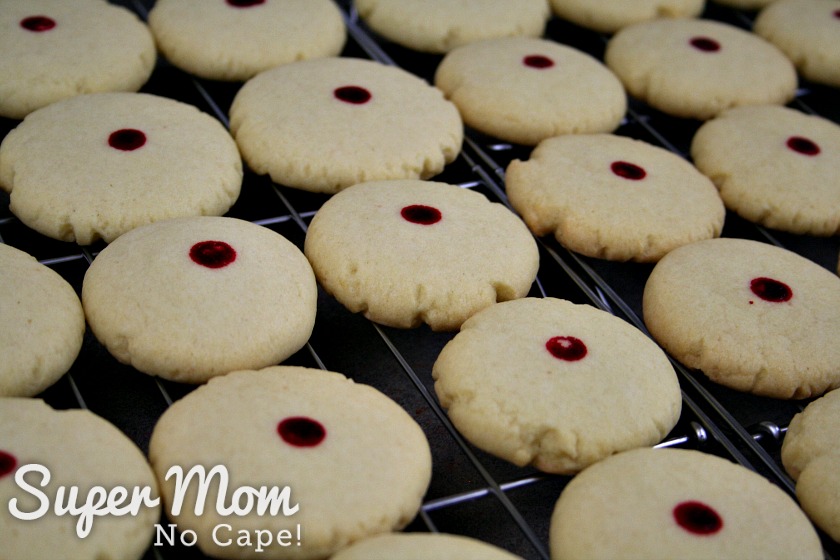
(235, 40)
(752, 316)
(608, 16)
(546, 382)
(677, 503)
(420, 546)
(695, 68)
(411, 252)
(95, 166)
(78, 449)
(438, 26)
(192, 298)
(42, 328)
(356, 463)
(323, 125)
(53, 49)
(613, 197)
(523, 89)
(774, 166)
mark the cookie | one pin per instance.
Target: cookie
(79, 451)
(322, 125)
(410, 252)
(695, 68)
(751, 316)
(811, 457)
(806, 31)
(438, 26)
(52, 49)
(355, 462)
(774, 166)
(557, 385)
(237, 39)
(95, 166)
(613, 197)
(43, 325)
(420, 546)
(523, 90)
(192, 298)
(677, 503)
(605, 16)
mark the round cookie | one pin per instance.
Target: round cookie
(356, 463)
(752, 316)
(808, 32)
(82, 451)
(608, 16)
(54, 49)
(95, 166)
(545, 382)
(410, 252)
(233, 40)
(613, 197)
(677, 503)
(192, 298)
(322, 125)
(695, 68)
(774, 166)
(523, 90)
(438, 26)
(43, 325)
(421, 546)
(811, 456)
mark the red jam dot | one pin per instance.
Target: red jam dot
(837, 14)
(127, 139)
(566, 348)
(697, 518)
(301, 431)
(803, 146)
(352, 94)
(628, 170)
(7, 463)
(771, 290)
(705, 44)
(537, 61)
(212, 254)
(419, 214)
(245, 3)
(37, 23)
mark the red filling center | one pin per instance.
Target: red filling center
(698, 518)
(212, 254)
(628, 170)
(301, 431)
(566, 348)
(837, 14)
(127, 139)
(803, 145)
(537, 61)
(37, 23)
(419, 214)
(7, 463)
(245, 3)
(771, 290)
(705, 44)
(352, 94)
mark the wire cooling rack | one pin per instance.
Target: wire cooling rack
(471, 492)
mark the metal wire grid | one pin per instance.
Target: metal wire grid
(471, 492)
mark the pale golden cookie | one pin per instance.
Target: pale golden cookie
(613, 197)
(355, 462)
(42, 327)
(676, 503)
(192, 298)
(556, 385)
(438, 26)
(80, 450)
(95, 166)
(608, 16)
(422, 546)
(749, 315)
(236, 39)
(54, 49)
(524, 89)
(774, 166)
(323, 125)
(696, 68)
(411, 252)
